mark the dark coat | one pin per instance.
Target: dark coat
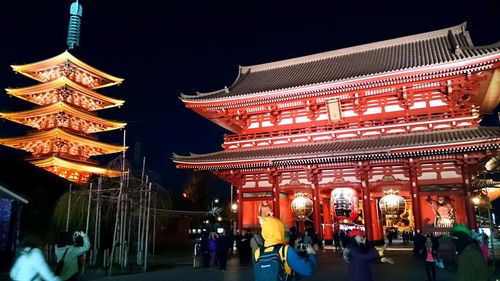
(223, 244)
(471, 265)
(360, 259)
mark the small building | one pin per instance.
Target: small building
(11, 205)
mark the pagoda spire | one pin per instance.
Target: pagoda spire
(75, 19)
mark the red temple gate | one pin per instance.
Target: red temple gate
(399, 114)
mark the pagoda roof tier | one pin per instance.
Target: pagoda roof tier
(72, 170)
(67, 65)
(379, 148)
(64, 89)
(61, 114)
(431, 52)
(58, 140)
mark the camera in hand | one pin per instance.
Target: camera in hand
(78, 239)
(301, 249)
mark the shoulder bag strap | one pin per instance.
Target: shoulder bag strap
(283, 252)
(64, 254)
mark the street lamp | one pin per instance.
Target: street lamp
(476, 201)
(234, 207)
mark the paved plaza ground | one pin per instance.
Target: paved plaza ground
(177, 265)
(331, 267)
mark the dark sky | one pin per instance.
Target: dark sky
(163, 48)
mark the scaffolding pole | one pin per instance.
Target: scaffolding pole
(87, 226)
(154, 224)
(96, 225)
(69, 208)
(139, 217)
(147, 230)
(118, 208)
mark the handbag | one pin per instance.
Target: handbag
(439, 263)
(60, 264)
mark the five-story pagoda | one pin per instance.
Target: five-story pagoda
(64, 119)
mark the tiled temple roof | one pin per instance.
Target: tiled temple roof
(405, 53)
(386, 147)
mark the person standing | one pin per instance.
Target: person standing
(315, 240)
(68, 248)
(307, 239)
(204, 248)
(360, 256)
(484, 245)
(256, 242)
(471, 266)
(418, 243)
(212, 249)
(405, 236)
(344, 239)
(389, 236)
(31, 264)
(294, 235)
(429, 254)
(223, 250)
(336, 241)
(273, 232)
(243, 246)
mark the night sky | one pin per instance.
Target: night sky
(163, 49)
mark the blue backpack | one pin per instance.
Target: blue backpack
(270, 265)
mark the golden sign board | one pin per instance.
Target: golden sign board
(334, 113)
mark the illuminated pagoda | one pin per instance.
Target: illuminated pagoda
(347, 125)
(64, 118)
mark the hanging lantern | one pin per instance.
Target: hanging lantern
(492, 193)
(302, 206)
(392, 203)
(343, 202)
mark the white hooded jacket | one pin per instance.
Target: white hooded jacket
(31, 266)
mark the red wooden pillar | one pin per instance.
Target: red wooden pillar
(327, 220)
(240, 207)
(316, 205)
(276, 193)
(365, 193)
(377, 235)
(469, 208)
(417, 217)
(380, 219)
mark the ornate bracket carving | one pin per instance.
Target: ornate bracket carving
(64, 93)
(313, 174)
(359, 104)
(312, 110)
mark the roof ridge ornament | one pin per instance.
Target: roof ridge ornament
(455, 46)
